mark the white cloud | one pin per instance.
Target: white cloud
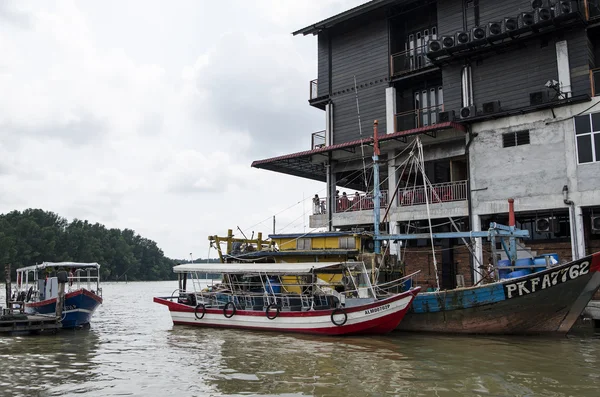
(147, 114)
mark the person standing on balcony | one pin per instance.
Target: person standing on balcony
(316, 205)
(344, 202)
(356, 202)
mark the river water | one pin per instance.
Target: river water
(133, 349)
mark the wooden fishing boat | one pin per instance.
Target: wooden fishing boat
(549, 301)
(288, 297)
(37, 287)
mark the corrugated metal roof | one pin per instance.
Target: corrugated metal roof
(356, 143)
(343, 16)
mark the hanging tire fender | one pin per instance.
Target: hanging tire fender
(226, 307)
(198, 306)
(336, 312)
(268, 310)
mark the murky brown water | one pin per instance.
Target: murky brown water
(133, 349)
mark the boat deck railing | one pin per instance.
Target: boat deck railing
(292, 296)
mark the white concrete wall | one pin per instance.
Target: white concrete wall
(533, 174)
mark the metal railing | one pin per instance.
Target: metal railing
(314, 89)
(418, 118)
(409, 60)
(595, 81)
(593, 10)
(438, 193)
(356, 202)
(317, 140)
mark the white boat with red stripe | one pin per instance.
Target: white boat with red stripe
(334, 298)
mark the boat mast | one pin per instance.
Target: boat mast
(376, 192)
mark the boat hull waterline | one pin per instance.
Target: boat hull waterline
(77, 311)
(379, 317)
(546, 302)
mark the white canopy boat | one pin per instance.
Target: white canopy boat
(317, 298)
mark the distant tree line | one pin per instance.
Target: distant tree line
(35, 236)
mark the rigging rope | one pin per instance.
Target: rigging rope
(362, 148)
(421, 164)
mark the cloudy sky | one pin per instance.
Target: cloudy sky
(147, 114)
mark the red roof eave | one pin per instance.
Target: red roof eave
(364, 141)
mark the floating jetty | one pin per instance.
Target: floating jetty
(14, 320)
(12, 323)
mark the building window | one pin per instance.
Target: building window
(516, 138)
(587, 132)
(303, 244)
(347, 243)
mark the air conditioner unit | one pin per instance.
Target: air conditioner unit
(526, 19)
(435, 46)
(491, 107)
(565, 9)
(468, 111)
(447, 116)
(448, 41)
(511, 24)
(538, 98)
(478, 33)
(495, 29)
(540, 4)
(596, 224)
(543, 16)
(462, 38)
(545, 225)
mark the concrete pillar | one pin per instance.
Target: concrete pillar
(390, 110)
(478, 249)
(392, 178)
(331, 184)
(564, 70)
(329, 124)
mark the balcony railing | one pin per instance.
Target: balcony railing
(418, 118)
(357, 202)
(409, 60)
(314, 91)
(595, 81)
(593, 10)
(438, 193)
(317, 140)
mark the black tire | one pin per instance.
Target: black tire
(29, 293)
(336, 312)
(272, 305)
(225, 309)
(199, 305)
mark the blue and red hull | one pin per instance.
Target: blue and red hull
(77, 311)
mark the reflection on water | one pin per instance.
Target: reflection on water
(133, 349)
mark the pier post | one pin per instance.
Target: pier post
(7, 285)
(62, 277)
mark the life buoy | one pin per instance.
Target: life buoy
(337, 311)
(269, 310)
(29, 293)
(200, 305)
(225, 309)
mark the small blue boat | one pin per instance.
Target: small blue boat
(37, 287)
